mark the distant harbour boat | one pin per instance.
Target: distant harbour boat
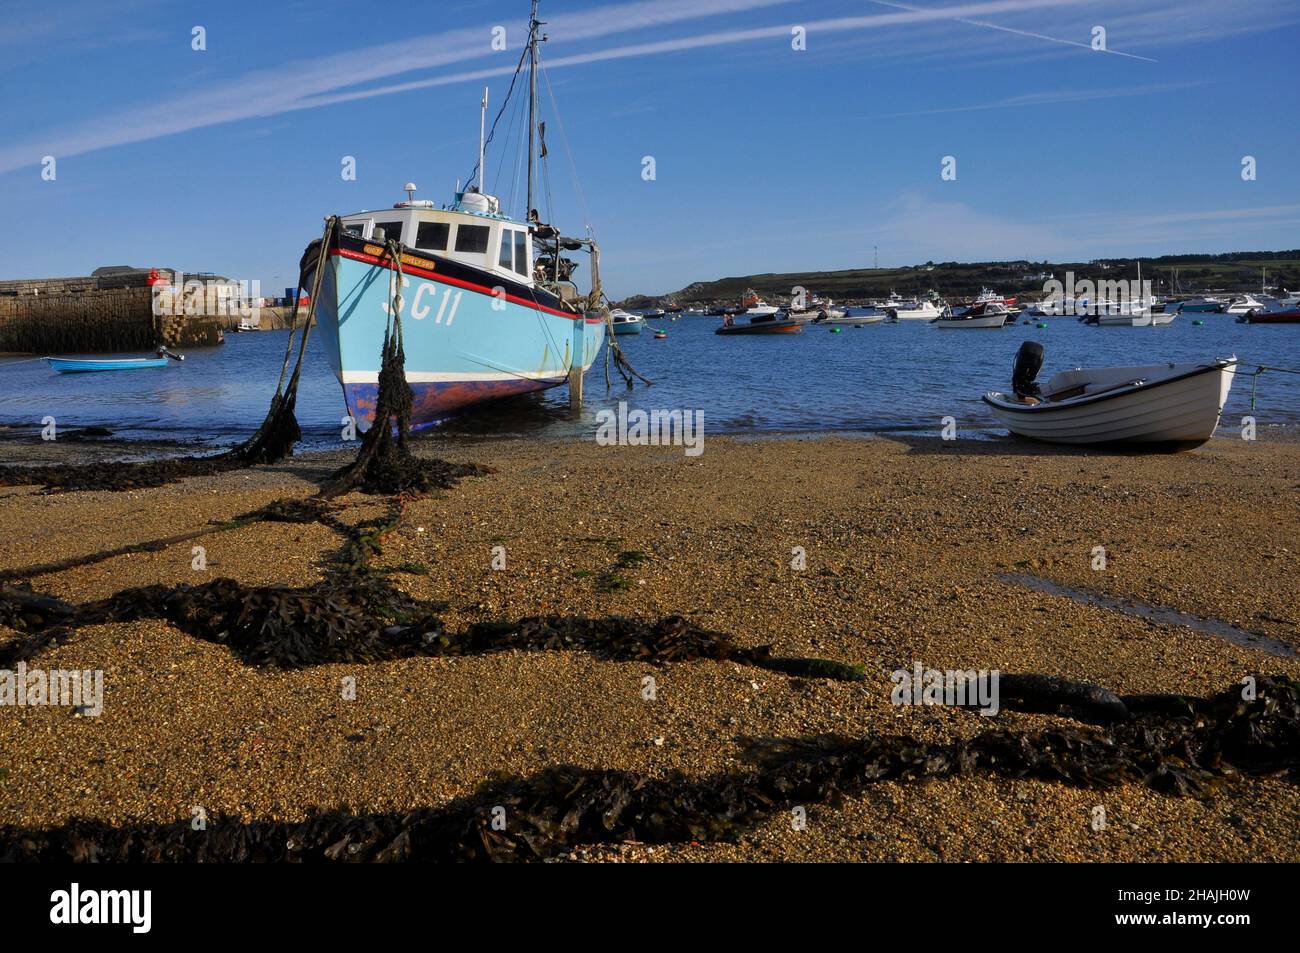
(1276, 314)
(1202, 305)
(987, 315)
(87, 366)
(625, 322)
(756, 307)
(1245, 305)
(855, 318)
(774, 323)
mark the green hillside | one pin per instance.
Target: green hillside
(1238, 271)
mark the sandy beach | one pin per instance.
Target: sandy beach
(905, 538)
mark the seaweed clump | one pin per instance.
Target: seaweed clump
(116, 476)
(359, 616)
(550, 812)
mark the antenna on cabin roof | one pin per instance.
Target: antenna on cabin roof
(409, 189)
(482, 128)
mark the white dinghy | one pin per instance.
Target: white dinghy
(1174, 405)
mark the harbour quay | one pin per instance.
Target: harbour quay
(114, 308)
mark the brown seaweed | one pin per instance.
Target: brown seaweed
(548, 813)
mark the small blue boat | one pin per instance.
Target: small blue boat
(75, 366)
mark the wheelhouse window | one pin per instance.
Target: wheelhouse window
(521, 252)
(505, 258)
(392, 230)
(356, 228)
(472, 238)
(432, 236)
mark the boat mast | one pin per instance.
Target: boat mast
(533, 24)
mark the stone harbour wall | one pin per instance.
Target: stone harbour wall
(70, 316)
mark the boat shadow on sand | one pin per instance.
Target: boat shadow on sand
(992, 443)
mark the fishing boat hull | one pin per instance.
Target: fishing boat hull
(1175, 406)
(71, 366)
(464, 344)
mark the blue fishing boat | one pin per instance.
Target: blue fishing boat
(488, 305)
(74, 366)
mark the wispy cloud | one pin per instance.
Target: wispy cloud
(1050, 98)
(316, 83)
(294, 85)
(366, 73)
(1006, 29)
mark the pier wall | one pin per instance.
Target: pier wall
(93, 315)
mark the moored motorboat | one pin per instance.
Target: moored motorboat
(987, 315)
(854, 317)
(775, 323)
(1245, 304)
(1176, 405)
(756, 307)
(624, 322)
(1279, 315)
(1201, 304)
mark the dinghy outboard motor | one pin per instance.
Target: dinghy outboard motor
(1029, 361)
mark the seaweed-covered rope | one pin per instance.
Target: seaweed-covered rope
(274, 439)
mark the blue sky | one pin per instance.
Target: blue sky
(766, 158)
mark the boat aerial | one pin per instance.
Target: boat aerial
(990, 314)
(1174, 405)
(625, 322)
(488, 303)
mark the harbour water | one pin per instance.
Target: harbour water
(882, 378)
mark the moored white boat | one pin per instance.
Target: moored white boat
(854, 317)
(987, 315)
(1158, 404)
(625, 322)
(1246, 304)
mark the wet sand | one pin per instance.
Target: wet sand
(905, 539)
